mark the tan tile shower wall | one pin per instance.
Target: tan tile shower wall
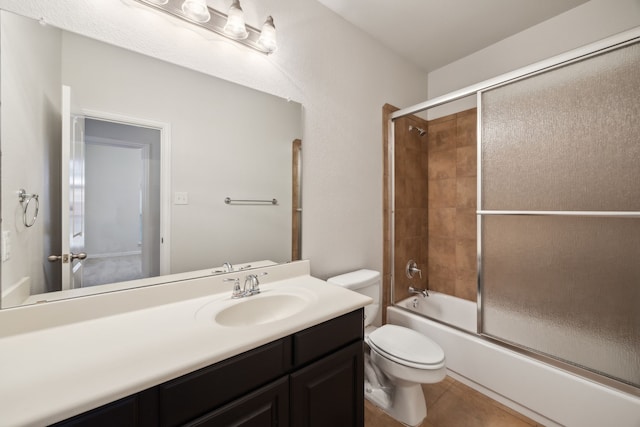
(411, 215)
(451, 205)
(437, 230)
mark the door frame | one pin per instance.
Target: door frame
(165, 174)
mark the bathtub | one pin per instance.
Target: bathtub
(546, 394)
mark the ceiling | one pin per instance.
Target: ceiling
(433, 33)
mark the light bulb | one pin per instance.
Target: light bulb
(235, 26)
(267, 40)
(196, 10)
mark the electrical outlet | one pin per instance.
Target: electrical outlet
(181, 198)
(6, 246)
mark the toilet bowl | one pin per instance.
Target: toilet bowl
(399, 359)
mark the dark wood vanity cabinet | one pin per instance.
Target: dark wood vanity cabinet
(268, 406)
(330, 392)
(311, 378)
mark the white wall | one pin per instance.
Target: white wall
(30, 127)
(341, 76)
(577, 27)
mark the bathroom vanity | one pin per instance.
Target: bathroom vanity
(310, 378)
(291, 355)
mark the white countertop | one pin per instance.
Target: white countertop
(79, 354)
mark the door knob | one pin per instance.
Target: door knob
(65, 258)
(79, 255)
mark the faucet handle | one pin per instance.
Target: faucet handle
(412, 268)
(237, 291)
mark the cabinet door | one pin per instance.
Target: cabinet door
(265, 407)
(330, 392)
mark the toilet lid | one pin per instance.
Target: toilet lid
(406, 346)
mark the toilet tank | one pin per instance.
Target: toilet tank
(366, 282)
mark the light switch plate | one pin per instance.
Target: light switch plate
(6, 246)
(181, 198)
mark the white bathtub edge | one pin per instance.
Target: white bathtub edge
(526, 385)
(503, 400)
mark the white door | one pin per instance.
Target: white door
(72, 181)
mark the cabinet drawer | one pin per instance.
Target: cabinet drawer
(313, 343)
(195, 394)
(265, 407)
(138, 410)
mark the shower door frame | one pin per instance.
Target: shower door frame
(614, 42)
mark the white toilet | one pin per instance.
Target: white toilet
(400, 359)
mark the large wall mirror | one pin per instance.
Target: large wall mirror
(153, 171)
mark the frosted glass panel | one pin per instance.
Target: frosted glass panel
(568, 287)
(566, 139)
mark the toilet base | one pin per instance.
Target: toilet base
(404, 403)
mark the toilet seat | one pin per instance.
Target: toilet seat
(406, 347)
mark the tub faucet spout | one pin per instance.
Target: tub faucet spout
(422, 292)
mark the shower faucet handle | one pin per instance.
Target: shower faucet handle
(412, 269)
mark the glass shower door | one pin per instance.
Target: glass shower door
(559, 213)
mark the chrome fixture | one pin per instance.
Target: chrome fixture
(231, 25)
(237, 292)
(66, 258)
(423, 292)
(24, 197)
(253, 288)
(420, 131)
(229, 201)
(412, 268)
(254, 284)
(228, 268)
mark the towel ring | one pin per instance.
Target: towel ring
(24, 197)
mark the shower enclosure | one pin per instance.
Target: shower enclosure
(558, 209)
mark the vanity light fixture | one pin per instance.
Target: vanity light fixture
(196, 10)
(231, 26)
(235, 26)
(268, 36)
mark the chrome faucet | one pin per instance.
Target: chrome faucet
(227, 267)
(423, 292)
(254, 285)
(252, 289)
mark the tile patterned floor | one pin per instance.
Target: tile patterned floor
(453, 404)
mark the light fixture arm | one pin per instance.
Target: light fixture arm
(216, 23)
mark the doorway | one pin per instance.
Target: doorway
(122, 202)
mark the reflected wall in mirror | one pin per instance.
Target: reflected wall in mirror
(154, 149)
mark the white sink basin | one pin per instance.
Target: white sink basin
(265, 307)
